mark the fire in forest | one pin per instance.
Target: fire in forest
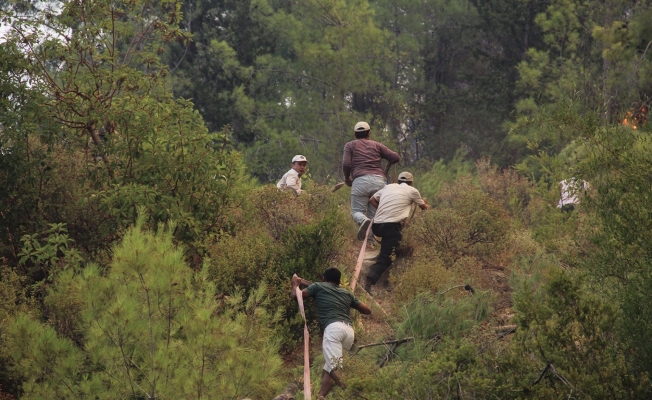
(636, 118)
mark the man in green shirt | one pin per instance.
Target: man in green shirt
(333, 306)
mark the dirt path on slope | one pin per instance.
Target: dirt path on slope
(379, 326)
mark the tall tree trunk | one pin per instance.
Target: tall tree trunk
(606, 64)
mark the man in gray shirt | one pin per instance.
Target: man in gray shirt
(333, 304)
(363, 171)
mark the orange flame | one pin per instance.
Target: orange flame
(634, 119)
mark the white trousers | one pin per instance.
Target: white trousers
(337, 337)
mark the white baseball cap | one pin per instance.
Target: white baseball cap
(405, 177)
(361, 127)
(299, 157)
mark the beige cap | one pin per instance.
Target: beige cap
(361, 127)
(405, 177)
(299, 157)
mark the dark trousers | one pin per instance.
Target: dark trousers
(391, 234)
(568, 207)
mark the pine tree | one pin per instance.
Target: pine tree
(152, 328)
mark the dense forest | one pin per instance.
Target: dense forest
(146, 253)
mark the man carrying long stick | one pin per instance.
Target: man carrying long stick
(333, 304)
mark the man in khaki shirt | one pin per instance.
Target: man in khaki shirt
(292, 178)
(393, 205)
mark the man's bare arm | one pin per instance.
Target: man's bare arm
(363, 308)
(373, 201)
(346, 166)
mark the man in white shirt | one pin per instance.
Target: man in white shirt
(393, 204)
(570, 191)
(292, 178)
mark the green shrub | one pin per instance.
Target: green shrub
(151, 327)
(441, 173)
(241, 260)
(44, 254)
(565, 321)
(15, 299)
(454, 371)
(442, 358)
(281, 235)
(561, 233)
(466, 221)
(418, 275)
(274, 211)
(512, 191)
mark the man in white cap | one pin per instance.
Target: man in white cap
(292, 178)
(363, 171)
(393, 202)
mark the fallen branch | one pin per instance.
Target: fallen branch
(385, 342)
(435, 339)
(542, 374)
(506, 329)
(551, 368)
(466, 287)
(507, 332)
(387, 356)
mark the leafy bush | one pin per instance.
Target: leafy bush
(283, 235)
(454, 371)
(431, 317)
(241, 260)
(566, 322)
(43, 254)
(418, 275)
(441, 173)
(507, 187)
(619, 163)
(564, 234)
(152, 327)
(441, 359)
(112, 139)
(14, 300)
(465, 222)
(277, 211)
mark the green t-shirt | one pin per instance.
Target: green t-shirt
(333, 302)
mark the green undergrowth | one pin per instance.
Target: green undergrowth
(281, 235)
(538, 325)
(493, 291)
(148, 327)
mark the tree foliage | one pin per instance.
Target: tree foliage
(114, 139)
(150, 327)
(140, 257)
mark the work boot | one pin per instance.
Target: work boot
(367, 287)
(362, 231)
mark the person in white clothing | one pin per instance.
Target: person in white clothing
(393, 205)
(292, 178)
(570, 191)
